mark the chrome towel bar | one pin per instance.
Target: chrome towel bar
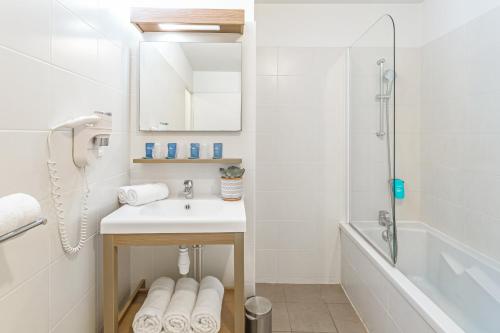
(22, 229)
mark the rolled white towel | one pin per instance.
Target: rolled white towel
(122, 194)
(142, 194)
(148, 318)
(177, 319)
(17, 210)
(206, 316)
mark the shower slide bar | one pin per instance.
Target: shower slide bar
(22, 229)
(381, 98)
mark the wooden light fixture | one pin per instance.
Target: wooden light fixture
(188, 20)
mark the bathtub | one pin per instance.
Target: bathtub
(438, 284)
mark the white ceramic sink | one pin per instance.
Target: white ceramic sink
(177, 215)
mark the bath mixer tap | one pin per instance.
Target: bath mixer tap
(384, 218)
(188, 189)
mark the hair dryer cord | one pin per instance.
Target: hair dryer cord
(56, 189)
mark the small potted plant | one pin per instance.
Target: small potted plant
(232, 183)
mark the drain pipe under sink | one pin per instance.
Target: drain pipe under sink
(184, 262)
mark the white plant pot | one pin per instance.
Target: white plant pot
(231, 188)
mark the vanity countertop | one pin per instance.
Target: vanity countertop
(178, 215)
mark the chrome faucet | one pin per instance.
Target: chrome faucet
(188, 189)
(384, 218)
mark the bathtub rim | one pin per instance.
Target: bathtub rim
(428, 310)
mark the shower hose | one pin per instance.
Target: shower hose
(391, 235)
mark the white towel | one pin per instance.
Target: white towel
(122, 194)
(206, 316)
(142, 194)
(148, 318)
(177, 319)
(17, 210)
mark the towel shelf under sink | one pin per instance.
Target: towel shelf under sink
(137, 298)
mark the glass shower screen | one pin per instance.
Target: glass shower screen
(372, 80)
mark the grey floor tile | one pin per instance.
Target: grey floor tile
(343, 312)
(281, 322)
(273, 292)
(303, 293)
(349, 327)
(310, 317)
(333, 293)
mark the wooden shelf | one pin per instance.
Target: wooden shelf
(187, 160)
(149, 19)
(139, 296)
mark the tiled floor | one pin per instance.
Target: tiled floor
(310, 308)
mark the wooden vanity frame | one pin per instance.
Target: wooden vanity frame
(111, 242)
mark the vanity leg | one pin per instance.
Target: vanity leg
(239, 283)
(110, 285)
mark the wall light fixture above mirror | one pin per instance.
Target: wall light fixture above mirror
(190, 86)
(188, 20)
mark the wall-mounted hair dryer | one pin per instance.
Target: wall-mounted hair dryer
(94, 131)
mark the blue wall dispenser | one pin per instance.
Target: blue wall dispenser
(398, 188)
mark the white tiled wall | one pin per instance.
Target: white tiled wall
(408, 67)
(59, 60)
(460, 136)
(300, 163)
(294, 243)
(296, 221)
(332, 23)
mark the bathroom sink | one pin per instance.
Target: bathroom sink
(204, 215)
(183, 209)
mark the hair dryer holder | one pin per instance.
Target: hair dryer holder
(95, 134)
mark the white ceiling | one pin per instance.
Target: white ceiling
(337, 1)
(217, 57)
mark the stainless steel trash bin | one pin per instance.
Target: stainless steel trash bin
(258, 312)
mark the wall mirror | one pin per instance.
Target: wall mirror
(190, 86)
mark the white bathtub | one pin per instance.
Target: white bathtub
(438, 284)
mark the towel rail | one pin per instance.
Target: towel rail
(23, 229)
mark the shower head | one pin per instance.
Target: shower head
(389, 75)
